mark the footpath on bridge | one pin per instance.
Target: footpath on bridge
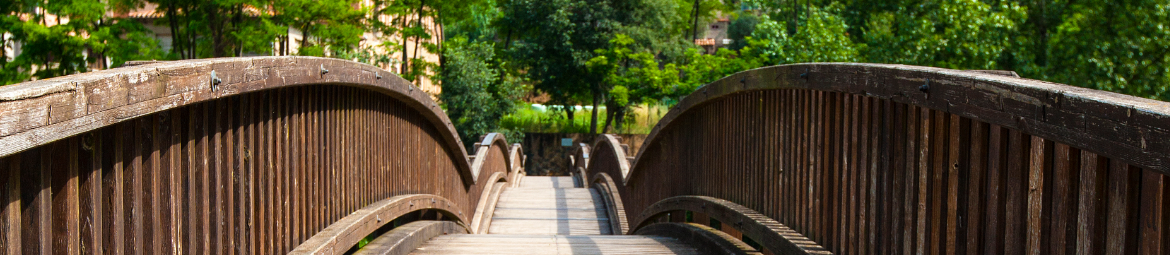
(551, 215)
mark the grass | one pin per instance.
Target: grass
(534, 119)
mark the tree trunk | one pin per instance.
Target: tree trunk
(508, 40)
(216, 31)
(304, 38)
(569, 113)
(792, 23)
(236, 20)
(405, 41)
(417, 38)
(442, 37)
(608, 121)
(695, 24)
(618, 116)
(596, 100)
(176, 41)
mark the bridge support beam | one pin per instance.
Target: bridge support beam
(773, 235)
(345, 233)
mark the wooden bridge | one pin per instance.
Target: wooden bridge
(302, 155)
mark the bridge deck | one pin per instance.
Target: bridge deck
(553, 244)
(549, 215)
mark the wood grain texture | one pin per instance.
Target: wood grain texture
(557, 244)
(977, 163)
(240, 174)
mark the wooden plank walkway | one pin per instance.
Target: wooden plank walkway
(550, 215)
(553, 244)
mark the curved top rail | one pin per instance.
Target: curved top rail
(484, 147)
(1114, 125)
(39, 112)
(608, 143)
(516, 155)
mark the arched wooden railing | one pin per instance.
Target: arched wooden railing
(236, 155)
(892, 159)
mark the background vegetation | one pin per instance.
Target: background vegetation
(618, 55)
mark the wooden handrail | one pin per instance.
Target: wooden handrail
(255, 158)
(870, 158)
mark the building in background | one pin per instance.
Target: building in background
(715, 35)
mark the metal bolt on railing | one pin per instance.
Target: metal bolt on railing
(215, 81)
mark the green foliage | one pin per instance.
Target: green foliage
(475, 95)
(1119, 46)
(956, 34)
(631, 78)
(741, 28)
(551, 41)
(328, 27)
(79, 38)
(640, 120)
(822, 38)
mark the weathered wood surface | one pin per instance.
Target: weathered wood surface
(553, 244)
(550, 205)
(772, 235)
(404, 239)
(159, 159)
(705, 239)
(343, 234)
(865, 158)
(559, 182)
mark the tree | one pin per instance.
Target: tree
(957, 34)
(1120, 46)
(475, 95)
(551, 40)
(69, 37)
(630, 78)
(822, 38)
(327, 27)
(740, 28)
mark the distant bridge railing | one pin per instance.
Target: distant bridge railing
(892, 159)
(235, 155)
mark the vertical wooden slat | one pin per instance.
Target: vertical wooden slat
(1015, 204)
(896, 174)
(35, 219)
(958, 174)
(62, 163)
(246, 183)
(1091, 191)
(1124, 194)
(976, 194)
(166, 147)
(996, 166)
(853, 176)
(937, 183)
(10, 214)
(148, 173)
(281, 172)
(203, 177)
(873, 167)
(181, 177)
(132, 213)
(1153, 190)
(1065, 178)
(113, 223)
(225, 173)
(910, 204)
(1039, 179)
(90, 193)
